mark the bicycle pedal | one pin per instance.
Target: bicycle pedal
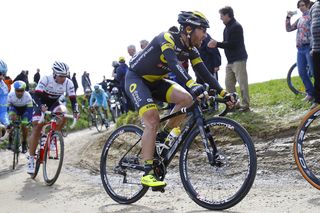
(54, 158)
(158, 189)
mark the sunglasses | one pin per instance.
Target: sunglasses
(19, 90)
(203, 29)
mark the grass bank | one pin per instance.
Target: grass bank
(275, 110)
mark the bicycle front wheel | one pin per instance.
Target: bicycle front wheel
(219, 185)
(307, 146)
(16, 146)
(294, 81)
(53, 158)
(98, 122)
(121, 166)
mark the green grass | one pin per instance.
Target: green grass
(275, 109)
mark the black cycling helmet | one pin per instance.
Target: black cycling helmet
(194, 18)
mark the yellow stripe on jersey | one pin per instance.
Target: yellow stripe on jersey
(170, 44)
(166, 46)
(153, 78)
(168, 37)
(146, 108)
(196, 61)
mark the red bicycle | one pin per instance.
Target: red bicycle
(50, 149)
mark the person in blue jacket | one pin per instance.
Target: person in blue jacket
(99, 98)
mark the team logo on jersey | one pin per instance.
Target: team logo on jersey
(133, 87)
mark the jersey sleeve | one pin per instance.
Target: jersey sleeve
(72, 95)
(167, 47)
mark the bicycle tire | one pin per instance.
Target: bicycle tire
(296, 86)
(99, 121)
(218, 187)
(128, 189)
(51, 158)
(16, 145)
(306, 147)
(89, 119)
(64, 131)
(37, 165)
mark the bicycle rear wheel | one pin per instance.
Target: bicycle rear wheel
(306, 147)
(226, 182)
(53, 158)
(294, 81)
(121, 166)
(16, 146)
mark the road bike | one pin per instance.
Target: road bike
(217, 162)
(294, 81)
(307, 145)
(16, 139)
(95, 118)
(50, 151)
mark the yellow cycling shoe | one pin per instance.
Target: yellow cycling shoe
(151, 181)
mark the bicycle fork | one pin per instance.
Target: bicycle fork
(208, 142)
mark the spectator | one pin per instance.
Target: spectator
(75, 82)
(303, 40)
(104, 84)
(27, 80)
(236, 54)
(132, 50)
(121, 73)
(143, 44)
(85, 80)
(115, 64)
(211, 58)
(315, 34)
(36, 76)
(8, 82)
(23, 77)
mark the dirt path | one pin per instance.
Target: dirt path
(278, 186)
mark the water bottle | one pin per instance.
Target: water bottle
(173, 135)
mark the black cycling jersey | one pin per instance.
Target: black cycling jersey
(164, 54)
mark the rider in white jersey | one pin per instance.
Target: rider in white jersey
(20, 107)
(46, 97)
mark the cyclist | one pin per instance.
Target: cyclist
(20, 106)
(86, 97)
(145, 81)
(4, 121)
(46, 97)
(99, 98)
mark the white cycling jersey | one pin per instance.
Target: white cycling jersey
(48, 85)
(25, 100)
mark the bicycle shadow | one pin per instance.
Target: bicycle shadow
(130, 208)
(140, 208)
(35, 190)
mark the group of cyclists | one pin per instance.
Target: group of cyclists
(145, 81)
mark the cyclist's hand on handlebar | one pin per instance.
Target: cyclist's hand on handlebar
(232, 99)
(44, 108)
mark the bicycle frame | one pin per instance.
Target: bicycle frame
(196, 120)
(53, 127)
